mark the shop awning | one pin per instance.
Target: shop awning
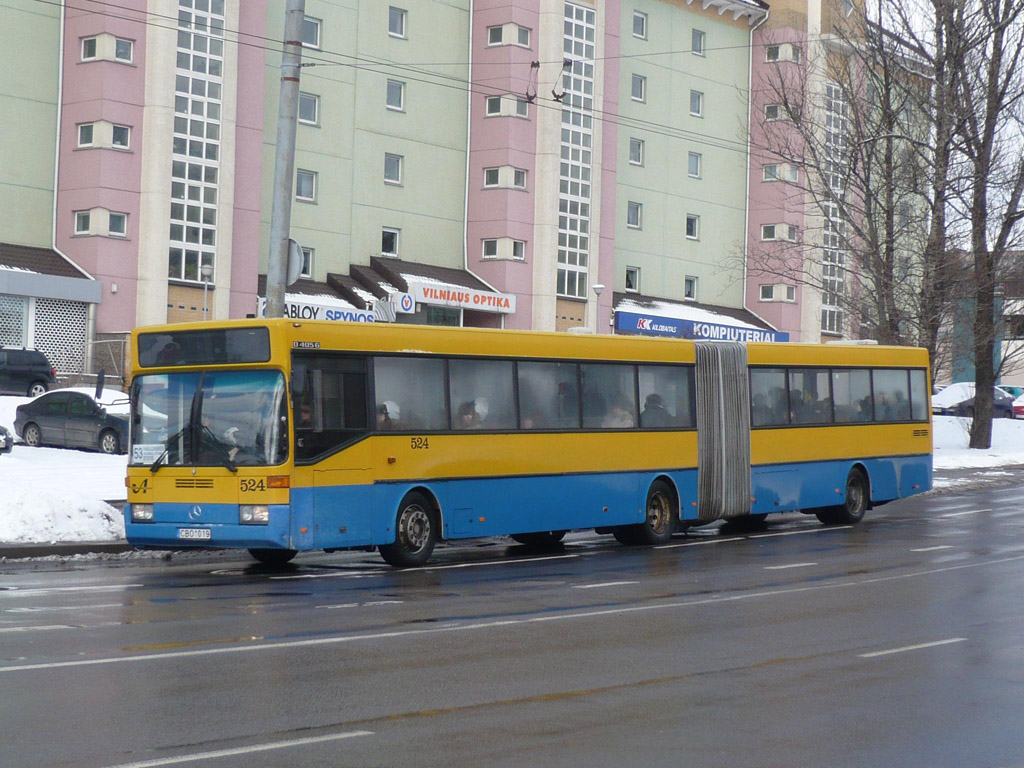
(650, 316)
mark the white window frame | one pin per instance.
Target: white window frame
(642, 81)
(316, 108)
(490, 102)
(700, 165)
(404, 16)
(790, 293)
(695, 218)
(522, 107)
(308, 254)
(398, 240)
(131, 50)
(500, 29)
(401, 169)
(636, 280)
(700, 103)
(769, 232)
(698, 34)
(515, 177)
(773, 52)
(88, 222)
(113, 132)
(95, 48)
(92, 135)
(768, 295)
(401, 95)
(489, 241)
(496, 172)
(110, 221)
(642, 17)
(639, 143)
(777, 108)
(519, 37)
(770, 172)
(319, 24)
(631, 206)
(313, 175)
(792, 232)
(519, 245)
(690, 280)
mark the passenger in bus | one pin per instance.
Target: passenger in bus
(863, 409)
(759, 409)
(388, 414)
(618, 417)
(468, 417)
(655, 415)
(304, 418)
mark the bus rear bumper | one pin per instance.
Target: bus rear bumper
(216, 525)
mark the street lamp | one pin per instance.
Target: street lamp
(598, 288)
(206, 271)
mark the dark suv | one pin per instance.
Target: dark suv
(25, 372)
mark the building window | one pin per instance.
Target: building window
(490, 249)
(494, 35)
(690, 288)
(393, 169)
(491, 177)
(768, 231)
(692, 226)
(770, 171)
(396, 22)
(524, 37)
(305, 186)
(634, 215)
(767, 293)
(696, 103)
(88, 48)
(772, 52)
(639, 92)
(772, 111)
(396, 95)
(85, 131)
(790, 293)
(694, 161)
(307, 263)
(519, 249)
(310, 32)
(123, 50)
(309, 109)
(389, 241)
(493, 105)
(522, 107)
(636, 151)
(519, 178)
(121, 136)
(697, 40)
(633, 279)
(117, 224)
(792, 233)
(640, 25)
(847, 7)
(82, 221)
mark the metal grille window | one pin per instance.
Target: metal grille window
(59, 329)
(195, 167)
(13, 320)
(576, 152)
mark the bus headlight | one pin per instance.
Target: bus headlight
(142, 513)
(253, 514)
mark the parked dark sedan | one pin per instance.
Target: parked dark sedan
(70, 419)
(958, 400)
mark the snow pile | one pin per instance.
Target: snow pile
(951, 435)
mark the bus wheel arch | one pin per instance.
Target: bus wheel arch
(856, 500)
(417, 530)
(661, 507)
(667, 480)
(867, 483)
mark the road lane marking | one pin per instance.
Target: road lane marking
(425, 570)
(32, 592)
(698, 543)
(966, 512)
(242, 750)
(933, 549)
(48, 608)
(38, 628)
(822, 529)
(604, 584)
(459, 627)
(791, 565)
(906, 648)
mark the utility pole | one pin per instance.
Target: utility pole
(284, 159)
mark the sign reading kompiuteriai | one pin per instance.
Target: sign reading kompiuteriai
(655, 325)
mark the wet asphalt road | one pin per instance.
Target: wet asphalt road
(896, 643)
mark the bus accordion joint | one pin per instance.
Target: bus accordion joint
(279, 481)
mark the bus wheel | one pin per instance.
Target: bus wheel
(273, 556)
(852, 510)
(539, 540)
(661, 519)
(415, 533)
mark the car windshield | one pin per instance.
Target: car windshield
(217, 418)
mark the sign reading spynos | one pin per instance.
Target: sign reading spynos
(446, 295)
(312, 311)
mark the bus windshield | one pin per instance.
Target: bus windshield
(218, 418)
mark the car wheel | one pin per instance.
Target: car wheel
(36, 388)
(109, 442)
(32, 436)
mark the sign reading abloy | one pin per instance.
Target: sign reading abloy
(631, 322)
(447, 295)
(302, 310)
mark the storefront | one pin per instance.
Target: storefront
(655, 317)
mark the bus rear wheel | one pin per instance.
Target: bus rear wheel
(539, 540)
(415, 533)
(273, 556)
(852, 510)
(660, 522)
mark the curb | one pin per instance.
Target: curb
(21, 551)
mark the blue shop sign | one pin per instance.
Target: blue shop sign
(652, 325)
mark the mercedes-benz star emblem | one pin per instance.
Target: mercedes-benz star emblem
(195, 513)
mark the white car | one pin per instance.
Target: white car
(958, 400)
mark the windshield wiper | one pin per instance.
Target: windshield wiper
(167, 447)
(224, 452)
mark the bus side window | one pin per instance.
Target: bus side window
(409, 394)
(482, 394)
(918, 396)
(609, 396)
(768, 399)
(330, 403)
(892, 397)
(809, 400)
(548, 396)
(851, 390)
(666, 396)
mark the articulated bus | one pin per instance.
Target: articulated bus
(279, 436)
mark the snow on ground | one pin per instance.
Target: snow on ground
(56, 494)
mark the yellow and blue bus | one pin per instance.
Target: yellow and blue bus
(280, 436)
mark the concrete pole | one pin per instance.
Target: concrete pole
(284, 160)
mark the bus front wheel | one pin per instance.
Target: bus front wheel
(852, 510)
(273, 556)
(660, 522)
(415, 533)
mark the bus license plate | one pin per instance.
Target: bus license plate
(194, 533)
